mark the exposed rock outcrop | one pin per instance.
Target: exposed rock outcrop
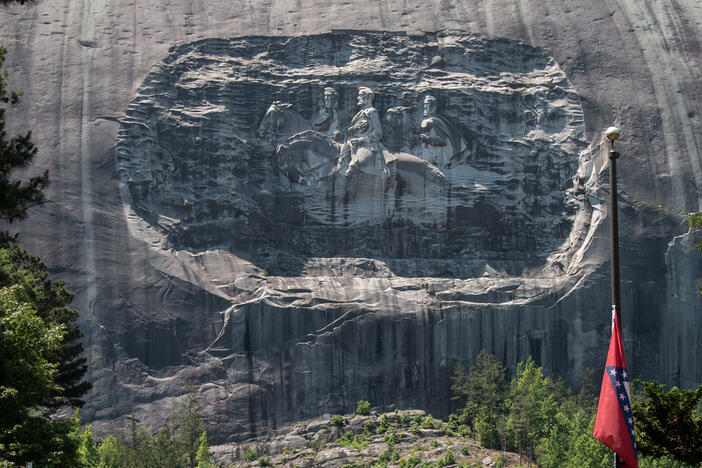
(205, 259)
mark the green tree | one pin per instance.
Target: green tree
(189, 428)
(668, 423)
(51, 300)
(16, 152)
(363, 407)
(532, 408)
(88, 452)
(569, 443)
(484, 386)
(113, 453)
(203, 452)
(28, 346)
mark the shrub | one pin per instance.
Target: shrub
(447, 459)
(392, 438)
(404, 419)
(428, 423)
(411, 461)
(383, 426)
(263, 461)
(363, 408)
(338, 420)
(250, 454)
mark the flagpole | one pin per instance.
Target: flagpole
(612, 134)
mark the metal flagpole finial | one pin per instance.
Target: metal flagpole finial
(612, 134)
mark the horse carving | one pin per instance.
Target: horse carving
(303, 155)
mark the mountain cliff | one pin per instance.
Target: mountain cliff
(234, 229)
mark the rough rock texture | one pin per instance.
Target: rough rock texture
(267, 330)
(364, 440)
(197, 165)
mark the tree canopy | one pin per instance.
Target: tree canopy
(669, 423)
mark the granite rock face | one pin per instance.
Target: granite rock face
(469, 204)
(202, 211)
(494, 181)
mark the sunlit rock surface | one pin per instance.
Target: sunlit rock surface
(205, 261)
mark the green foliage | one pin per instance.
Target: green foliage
(16, 153)
(447, 459)
(264, 461)
(391, 438)
(28, 365)
(250, 454)
(667, 423)
(484, 385)
(570, 443)
(88, 452)
(48, 442)
(410, 461)
(532, 407)
(663, 462)
(338, 420)
(428, 422)
(383, 425)
(50, 299)
(203, 452)
(389, 456)
(363, 408)
(539, 416)
(170, 447)
(486, 428)
(188, 427)
(40, 367)
(404, 419)
(359, 442)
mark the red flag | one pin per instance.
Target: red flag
(614, 425)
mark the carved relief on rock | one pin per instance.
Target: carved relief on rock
(306, 156)
(331, 145)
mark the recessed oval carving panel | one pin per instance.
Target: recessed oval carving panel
(355, 144)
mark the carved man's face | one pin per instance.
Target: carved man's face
(429, 106)
(329, 100)
(365, 100)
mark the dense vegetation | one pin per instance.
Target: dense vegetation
(179, 443)
(538, 417)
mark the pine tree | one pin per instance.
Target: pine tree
(203, 452)
(16, 152)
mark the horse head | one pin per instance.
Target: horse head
(280, 122)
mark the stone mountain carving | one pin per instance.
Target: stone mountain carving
(309, 154)
(229, 141)
(335, 229)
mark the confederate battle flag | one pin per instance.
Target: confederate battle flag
(614, 425)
